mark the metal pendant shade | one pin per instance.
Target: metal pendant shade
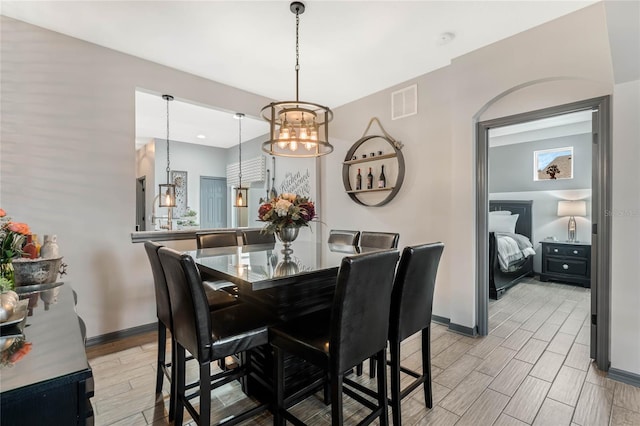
(167, 190)
(242, 194)
(297, 128)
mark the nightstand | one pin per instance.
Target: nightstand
(566, 262)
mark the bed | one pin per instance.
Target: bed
(499, 280)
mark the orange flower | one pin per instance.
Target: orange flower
(2, 213)
(20, 353)
(19, 228)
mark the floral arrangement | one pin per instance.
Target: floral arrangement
(286, 211)
(12, 238)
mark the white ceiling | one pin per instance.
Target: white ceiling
(187, 121)
(348, 49)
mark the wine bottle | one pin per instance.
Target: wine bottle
(358, 181)
(382, 180)
(29, 249)
(370, 180)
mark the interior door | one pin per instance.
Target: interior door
(213, 202)
(595, 208)
(141, 184)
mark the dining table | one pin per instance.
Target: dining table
(288, 284)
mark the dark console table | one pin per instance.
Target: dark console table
(52, 383)
(566, 262)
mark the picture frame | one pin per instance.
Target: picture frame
(553, 164)
(179, 179)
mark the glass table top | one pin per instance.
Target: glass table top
(263, 265)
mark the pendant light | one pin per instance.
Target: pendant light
(297, 128)
(242, 193)
(168, 190)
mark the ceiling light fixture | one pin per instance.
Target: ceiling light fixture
(168, 190)
(297, 128)
(242, 193)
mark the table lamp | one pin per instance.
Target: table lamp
(572, 209)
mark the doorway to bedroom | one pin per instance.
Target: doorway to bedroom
(541, 198)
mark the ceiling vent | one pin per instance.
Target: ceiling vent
(404, 102)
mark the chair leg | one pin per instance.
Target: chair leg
(396, 402)
(426, 366)
(382, 387)
(178, 384)
(372, 367)
(174, 368)
(327, 391)
(359, 370)
(278, 382)
(336, 398)
(205, 394)
(162, 349)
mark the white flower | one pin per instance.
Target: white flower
(288, 196)
(282, 207)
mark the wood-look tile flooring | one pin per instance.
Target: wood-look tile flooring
(533, 368)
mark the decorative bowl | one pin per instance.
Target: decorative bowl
(37, 271)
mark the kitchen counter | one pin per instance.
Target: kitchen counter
(178, 234)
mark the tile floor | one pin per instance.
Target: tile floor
(533, 368)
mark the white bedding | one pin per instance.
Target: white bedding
(512, 248)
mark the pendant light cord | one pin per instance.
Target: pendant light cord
(168, 164)
(239, 151)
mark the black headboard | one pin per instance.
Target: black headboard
(523, 208)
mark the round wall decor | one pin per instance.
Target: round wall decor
(383, 164)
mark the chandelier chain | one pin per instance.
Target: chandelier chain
(297, 50)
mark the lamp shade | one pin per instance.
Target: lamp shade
(572, 208)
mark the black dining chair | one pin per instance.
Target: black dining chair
(381, 240)
(256, 236)
(215, 300)
(342, 237)
(208, 336)
(215, 239)
(212, 239)
(339, 339)
(411, 305)
(376, 240)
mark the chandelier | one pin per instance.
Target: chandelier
(242, 193)
(167, 191)
(297, 128)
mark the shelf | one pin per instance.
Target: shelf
(360, 191)
(368, 159)
(388, 193)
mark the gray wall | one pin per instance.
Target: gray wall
(196, 160)
(68, 159)
(511, 166)
(511, 178)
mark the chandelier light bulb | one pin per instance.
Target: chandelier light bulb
(293, 145)
(284, 133)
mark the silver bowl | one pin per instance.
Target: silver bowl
(37, 271)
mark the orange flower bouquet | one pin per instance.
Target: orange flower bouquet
(12, 238)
